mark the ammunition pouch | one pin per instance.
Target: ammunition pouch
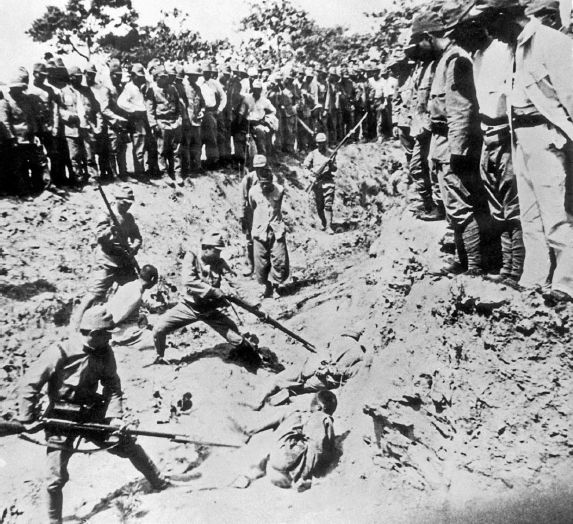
(70, 406)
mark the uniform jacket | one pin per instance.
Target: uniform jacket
(315, 160)
(114, 116)
(44, 101)
(109, 251)
(72, 373)
(418, 105)
(17, 119)
(164, 108)
(267, 212)
(544, 56)
(249, 180)
(195, 103)
(200, 280)
(79, 110)
(453, 107)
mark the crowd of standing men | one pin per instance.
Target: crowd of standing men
(70, 126)
(486, 118)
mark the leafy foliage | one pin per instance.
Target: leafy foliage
(83, 25)
(275, 31)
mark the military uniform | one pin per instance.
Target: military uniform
(18, 128)
(200, 301)
(324, 185)
(73, 374)
(192, 143)
(165, 117)
(283, 99)
(113, 263)
(215, 102)
(256, 111)
(454, 150)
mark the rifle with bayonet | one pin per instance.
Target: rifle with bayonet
(88, 429)
(316, 174)
(263, 317)
(123, 240)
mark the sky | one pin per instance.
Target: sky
(212, 18)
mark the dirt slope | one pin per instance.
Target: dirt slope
(462, 413)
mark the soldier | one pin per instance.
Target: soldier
(348, 99)
(112, 257)
(323, 185)
(191, 145)
(165, 116)
(541, 109)
(116, 120)
(282, 98)
(492, 60)
(19, 128)
(203, 300)
(332, 107)
(215, 102)
(249, 180)
(132, 101)
(456, 142)
(224, 120)
(271, 261)
(44, 98)
(83, 122)
(235, 93)
(377, 101)
(427, 56)
(73, 373)
(308, 101)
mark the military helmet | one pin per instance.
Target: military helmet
(320, 138)
(259, 161)
(96, 318)
(193, 69)
(213, 238)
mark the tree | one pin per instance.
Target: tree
(84, 25)
(170, 39)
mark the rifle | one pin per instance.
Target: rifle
(86, 429)
(341, 143)
(305, 127)
(122, 238)
(263, 317)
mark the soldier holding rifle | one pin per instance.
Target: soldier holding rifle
(118, 241)
(72, 374)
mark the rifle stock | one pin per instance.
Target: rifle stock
(263, 317)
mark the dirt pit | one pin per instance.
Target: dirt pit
(461, 413)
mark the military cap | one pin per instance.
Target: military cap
(319, 138)
(74, 71)
(259, 161)
(213, 238)
(138, 70)
(20, 78)
(193, 69)
(308, 71)
(90, 68)
(454, 12)
(179, 71)
(158, 71)
(536, 6)
(96, 318)
(170, 69)
(114, 66)
(427, 22)
(125, 193)
(40, 67)
(257, 84)
(253, 71)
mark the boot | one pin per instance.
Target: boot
(328, 220)
(471, 242)
(141, 461)
(55, 505)
(518, 252)
(249, 261)
(435, 213)
(506, 254)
